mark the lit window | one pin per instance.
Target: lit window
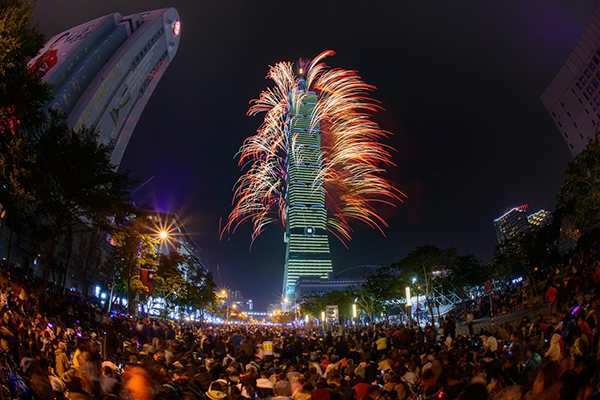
(583, 79)
(590, 89)
(587, 73)
(592, 66)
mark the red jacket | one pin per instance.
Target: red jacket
(551, 294)
(321, 394)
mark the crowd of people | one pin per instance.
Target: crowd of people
(54, 348)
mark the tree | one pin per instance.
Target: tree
(580, 191)
(168, 281)
(22, 93)
(385, 285)
(200, 288)
(77, 186)
(133, 248)
(427, 263)
(523, 253)
(370, 296)
(465, 272)
(314, 304)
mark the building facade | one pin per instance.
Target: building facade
(104, 71)
(307, 245)
(573, 98)
(351, 277)
(515, 221)
(539, 218)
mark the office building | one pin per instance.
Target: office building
(307, 244)
(573, 98)
(104, 71)
(351, 277)
(515, 221)
(539, 218)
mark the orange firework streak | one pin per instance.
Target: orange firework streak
(353, 157)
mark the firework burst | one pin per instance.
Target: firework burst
(353, 157)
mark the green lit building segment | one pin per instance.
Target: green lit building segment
(307, 245)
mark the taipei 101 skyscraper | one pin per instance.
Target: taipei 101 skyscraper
(314, 165)
(307, 245)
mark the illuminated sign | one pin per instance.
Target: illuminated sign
(176, 28)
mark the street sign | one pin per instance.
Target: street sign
(331, 314)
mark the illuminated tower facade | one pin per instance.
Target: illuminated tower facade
(307, 245)
(104, 71)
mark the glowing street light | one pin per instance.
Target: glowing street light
(234, 306)
(323, 316)
(163, 234)
(408, 305)
(354, 311)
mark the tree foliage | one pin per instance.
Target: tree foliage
(313, 304)
(22, 93)
(579, 193)
(184, 282)
(76, 186)
(133, 248)
(524, 252)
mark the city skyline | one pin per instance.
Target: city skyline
(471, 102)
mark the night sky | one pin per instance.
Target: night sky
(460, 83)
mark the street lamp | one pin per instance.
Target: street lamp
(163, 234)
(408, 305)
(354, 313)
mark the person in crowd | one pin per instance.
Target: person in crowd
(58, 348)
